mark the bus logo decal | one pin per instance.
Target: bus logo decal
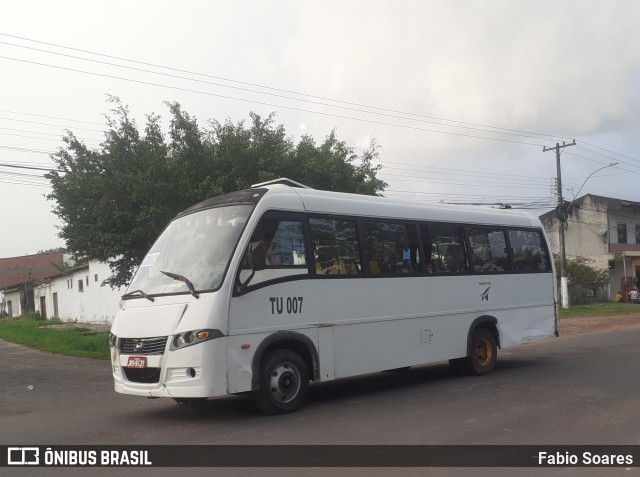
(484, 296)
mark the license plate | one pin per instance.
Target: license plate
(137, 362)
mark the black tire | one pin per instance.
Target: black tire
(284, 383)
(483, 353)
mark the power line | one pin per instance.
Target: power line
(609, 151)
(43, 138)
(263, 103)
(50, 117)
(19, 166)
(22, 149)
(471, 183)
(464, 172)
(425, 118)
(47, 124)
(454, 123)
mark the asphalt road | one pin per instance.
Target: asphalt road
(581, 389)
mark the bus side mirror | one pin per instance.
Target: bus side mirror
(258, 260)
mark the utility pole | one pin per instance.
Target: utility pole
(562, 217)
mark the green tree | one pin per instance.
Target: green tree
(114, 200)
(579, 271)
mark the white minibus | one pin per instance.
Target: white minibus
(265, 290)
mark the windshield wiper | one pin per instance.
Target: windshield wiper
(183, 279)
(136, 293)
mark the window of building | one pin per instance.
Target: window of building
(80, 285)
(622, 233)
(87, 280)
(637, 233)
(529, 252)
(335, 247)
(447, 248)
(95, 277)
(488, 250)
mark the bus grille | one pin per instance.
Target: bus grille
(143, 345)
(144, 375)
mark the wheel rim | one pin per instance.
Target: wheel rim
(484, 352)
(284, 382)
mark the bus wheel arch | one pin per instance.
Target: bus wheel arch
(284, 382)
(289, 357)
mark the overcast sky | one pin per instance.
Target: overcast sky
(461, 95)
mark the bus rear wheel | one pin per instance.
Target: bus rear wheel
(284, 383)
(484, 352)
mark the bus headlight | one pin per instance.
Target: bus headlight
(193, 337)
(113, 341)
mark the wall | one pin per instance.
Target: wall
(91, 304)
(587, 233)
(16, 270)
(16, 303)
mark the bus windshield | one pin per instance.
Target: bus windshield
(196, 248)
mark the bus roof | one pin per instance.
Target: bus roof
(320, 201)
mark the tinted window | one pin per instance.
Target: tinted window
(335, 247)
(447, 249)
(391, 248)
(282, 241)
(529, 252)
(488, 250)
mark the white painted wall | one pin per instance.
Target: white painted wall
(91, 304)
(16, 303)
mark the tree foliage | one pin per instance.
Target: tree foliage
(114, 200)
(579, 271)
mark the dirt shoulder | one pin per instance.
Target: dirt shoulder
(597, 324)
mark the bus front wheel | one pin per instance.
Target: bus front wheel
(284, 383)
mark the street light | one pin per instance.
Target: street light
(589, 177)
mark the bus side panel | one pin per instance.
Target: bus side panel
(385, 323)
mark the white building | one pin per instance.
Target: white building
(11, 301)
(78, 295)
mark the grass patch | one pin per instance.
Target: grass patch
(600, 309)
(53, 336)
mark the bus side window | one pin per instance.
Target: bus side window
(284, 251)
(447, 249)
(335, 247)
(529, 253)
(488, 250)
(389, 247)
(426, 262)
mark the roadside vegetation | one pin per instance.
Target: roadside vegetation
(55, 336)
(600, 309)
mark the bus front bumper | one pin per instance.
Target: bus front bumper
(194, 372)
